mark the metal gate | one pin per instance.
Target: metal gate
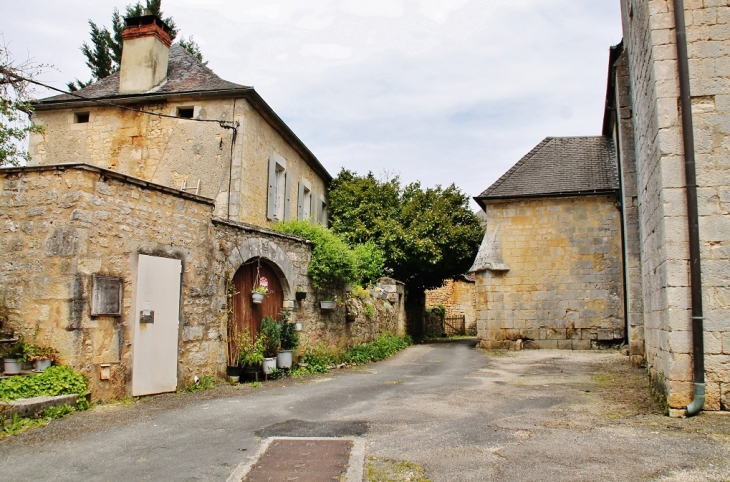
(455, 325)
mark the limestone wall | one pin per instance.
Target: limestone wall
(650, 42)
(169, 151)
(61, 226)
(563, 286)
(459, 298)
(631, 227)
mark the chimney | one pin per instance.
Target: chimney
(146, 48)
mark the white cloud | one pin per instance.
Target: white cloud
(440, 90)
(374, 8)
(327, 51)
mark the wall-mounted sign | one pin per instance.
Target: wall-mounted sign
(107, 296)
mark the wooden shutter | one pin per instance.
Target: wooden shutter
(300, 202)
(312, 206)
(287, 190)
(271, 196)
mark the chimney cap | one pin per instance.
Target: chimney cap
(146, 20)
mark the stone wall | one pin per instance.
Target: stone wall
(63, 225)
(630, 201)
(558, 280)
(650, 42)
(459, 299)
(169, 151)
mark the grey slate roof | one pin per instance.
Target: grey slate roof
(559, 166)
(185, 73)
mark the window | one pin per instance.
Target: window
(185, 112)
(278, 192)
(81, 117)
(304, 200)
(322, 211)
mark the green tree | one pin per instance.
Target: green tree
(427, 235)
(15, 107)
(104, 54)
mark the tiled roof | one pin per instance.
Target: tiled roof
(185, 73)
(560, 166)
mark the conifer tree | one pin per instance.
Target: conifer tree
(104, 55)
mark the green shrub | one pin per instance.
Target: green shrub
(205, 383)
(320, 356)
(58, 380)
(271, 335)
(332, 260)
(289, 335)
(379, 349)
(368, 310)
(360, 292)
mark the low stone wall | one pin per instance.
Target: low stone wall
(381, 311)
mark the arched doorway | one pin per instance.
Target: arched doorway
(245, 311)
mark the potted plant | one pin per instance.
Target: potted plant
(300, 294)
(328, 303)
(351, 315)
(43, 356)
(298, 325)
(272, 337)
(289, 342)
(13, 361)
(251, 355)
(258, 293)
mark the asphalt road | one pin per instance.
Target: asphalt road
(459, 413)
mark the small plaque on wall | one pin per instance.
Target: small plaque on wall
(107, 296)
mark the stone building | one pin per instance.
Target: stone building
(458, 296)
(668, 108)
(667, 111)
(143, 221)
(549, 269)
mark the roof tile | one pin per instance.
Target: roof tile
(560, 165)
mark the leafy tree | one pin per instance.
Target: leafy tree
(104, 55)
(15, 108)
(427, 235)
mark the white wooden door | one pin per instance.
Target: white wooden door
(157, 317)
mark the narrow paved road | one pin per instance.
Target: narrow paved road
(459, 413)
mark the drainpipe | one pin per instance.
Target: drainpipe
(698, 348)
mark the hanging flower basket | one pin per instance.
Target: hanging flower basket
(257, 298)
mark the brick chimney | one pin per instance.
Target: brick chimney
(145, 51)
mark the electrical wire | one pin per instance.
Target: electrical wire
(222, 123)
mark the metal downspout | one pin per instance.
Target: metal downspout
(698, 348)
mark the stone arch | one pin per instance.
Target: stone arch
(272, 253)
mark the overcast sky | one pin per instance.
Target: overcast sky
(439, 91)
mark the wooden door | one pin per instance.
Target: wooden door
(245, 311)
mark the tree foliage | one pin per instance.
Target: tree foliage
(427, 235)
(104, 54)
(332, 259)
(15, 107)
